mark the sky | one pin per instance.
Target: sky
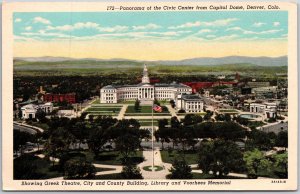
(150, 35)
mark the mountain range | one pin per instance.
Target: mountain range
(201, 61)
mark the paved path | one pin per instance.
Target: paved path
(25, 127)
(122, 112)
(116, 169)
(171, 110)
(148, 155)
(147, 117)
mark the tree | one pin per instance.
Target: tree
(208, 115)
(256, 161)
(181, 111)
(128, 139)
(282, 139)
(20, 139)
(97, 139)
(227, 117)
(40, 115)
(206, 156)
(219, 117)
(156, 102)
(79, 169)
(163, 135)
(172, 102)
(58, 143)
(180, 170)
(25, 167)
(80, 131)
(175, 122)
(221, 157)
(258, 139)
(137, 105)
(145, 134)
(191, 119)
(162, 123)
(281, 164)
(130, 171)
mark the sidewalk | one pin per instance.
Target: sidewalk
(157, 162)
(122, 112)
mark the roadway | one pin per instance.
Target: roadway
(25, 129)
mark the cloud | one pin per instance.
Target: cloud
(276, 23)
(253, 32)
(236, 28)
(204, 31)
(186, 25)
(18, 20)
(228, 37)
(41, 20)
(113, 29)
(75, 26)
(221, 22)
(210, 36)
(88, 25)
(24, 39)
(150, 26)
(28, 28)
(262, 32)
(258, 24)
(43, 33)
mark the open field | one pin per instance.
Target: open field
(90, 67)
(190, 156)
(104, 109)
(145, 109)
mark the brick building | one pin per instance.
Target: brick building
(70, 97)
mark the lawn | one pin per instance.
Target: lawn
(111, 110)
(145, 109)
(147, 114)
(33, 167)
(96, 102)
(104, 109)
(112, 157)
(40, 125)
(190, 156)
(102, 113)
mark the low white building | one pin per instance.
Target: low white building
(189, 103)
(29, 110)
(145, 92)
(268, 109)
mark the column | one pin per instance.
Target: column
(143, 92)
(148, 92)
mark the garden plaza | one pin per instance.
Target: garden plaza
(145, 92)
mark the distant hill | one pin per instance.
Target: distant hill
(202, 61)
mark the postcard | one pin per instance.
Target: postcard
(164, 96)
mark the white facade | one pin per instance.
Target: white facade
(269, 110)
(189, 103)
(29, 110)
(145, 92)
